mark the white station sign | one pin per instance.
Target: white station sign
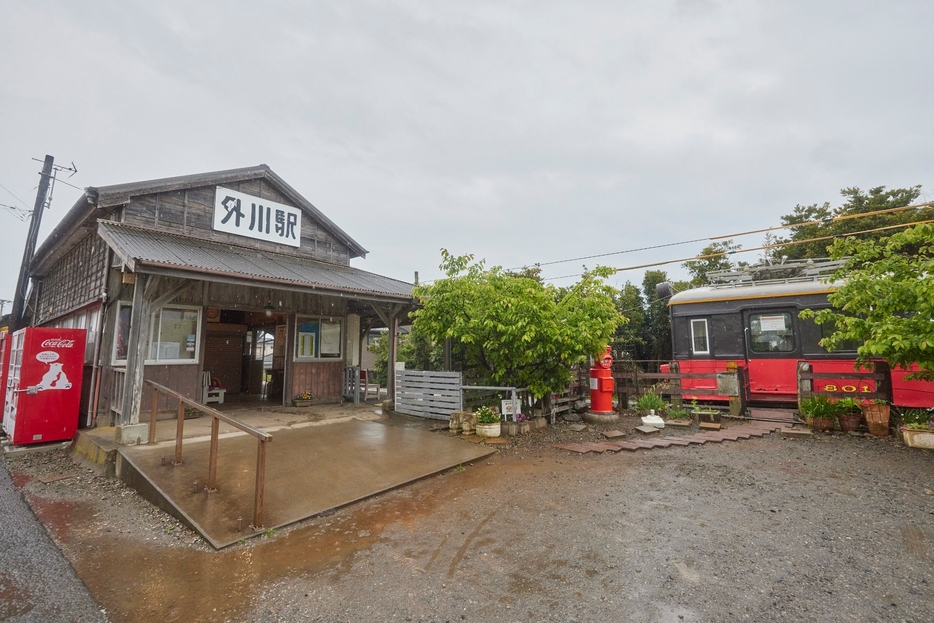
(245, 215)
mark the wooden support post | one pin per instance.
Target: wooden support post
(676, 399)
(135, 354)
(885, 385)
(736, 402)
(393, 355)
(179, 431)
(260, 484)
(152, 416)
(804, 385)
(212, 461)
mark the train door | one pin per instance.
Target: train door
(772, 351)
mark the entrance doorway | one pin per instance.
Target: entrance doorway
(244, 354)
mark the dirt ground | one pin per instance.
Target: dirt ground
(832, 528)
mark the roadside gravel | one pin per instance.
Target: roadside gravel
(36, 582)
(833, 528)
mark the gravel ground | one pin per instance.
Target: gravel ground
(36, 582)
(832, 528)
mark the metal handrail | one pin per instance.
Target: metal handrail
(217, 417)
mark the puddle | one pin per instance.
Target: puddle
(137, 582)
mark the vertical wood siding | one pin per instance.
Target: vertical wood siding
(191, 213)
(323, 379)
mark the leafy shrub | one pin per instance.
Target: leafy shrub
(915, 419)
(679, 414)
(650, 401)
(486, 415)
(847, 405)
(818, 406)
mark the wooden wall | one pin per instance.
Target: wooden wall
(74, 281)
(321, 378)
(191, 213)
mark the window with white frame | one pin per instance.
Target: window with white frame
(700, 343)
(318, 338)
(174, 334)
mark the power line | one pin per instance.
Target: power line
(12, 195)
(735, 235)
(762, 248)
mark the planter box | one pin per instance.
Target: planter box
(302, 403)
(877, 418)
(919, 438)
(707, 416)
(488, 430)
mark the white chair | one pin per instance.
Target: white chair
(368, 384)
(210, 391)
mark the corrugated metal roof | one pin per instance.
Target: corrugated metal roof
(142, 248)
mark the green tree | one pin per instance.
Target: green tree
(630, 336)
(886, 301)
(857, 202)
(513, 329)
(712, 258)
(417, 350)
(657, 325)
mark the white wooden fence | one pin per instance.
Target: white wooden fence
(428, 394)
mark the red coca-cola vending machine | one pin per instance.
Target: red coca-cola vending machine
(43, 389)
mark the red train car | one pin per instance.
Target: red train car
(754, 322)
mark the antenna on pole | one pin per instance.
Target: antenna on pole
(22, 284)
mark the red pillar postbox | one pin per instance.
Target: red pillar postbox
(601, 384)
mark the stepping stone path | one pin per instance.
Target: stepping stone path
(734, 433)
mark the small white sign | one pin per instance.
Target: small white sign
(771, 323)
(245, 215)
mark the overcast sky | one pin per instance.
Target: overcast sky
(521, 132)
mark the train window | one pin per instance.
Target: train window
(771, 333)
(699, 341)
(828, 328)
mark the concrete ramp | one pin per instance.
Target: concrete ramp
(309, 470)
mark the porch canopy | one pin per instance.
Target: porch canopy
(165, 264)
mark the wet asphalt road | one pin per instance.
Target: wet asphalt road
(36, 582)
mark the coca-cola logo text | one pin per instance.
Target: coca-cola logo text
(57, 342)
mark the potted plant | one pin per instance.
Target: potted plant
(488, 422)
(877, 413)
(917, 429)
(303, 399)
(704, 414)
(849, 414)
(679, 417)
(819, 411)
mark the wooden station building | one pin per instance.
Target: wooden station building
(198, 278)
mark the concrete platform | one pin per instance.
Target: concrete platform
(309, 470)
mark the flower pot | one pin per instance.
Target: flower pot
(301, 403)
(821, 424)
(488, 430)
(849, 422)
(877, 418)
(916, 438)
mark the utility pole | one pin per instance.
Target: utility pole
(22, 285)
(3, 303)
